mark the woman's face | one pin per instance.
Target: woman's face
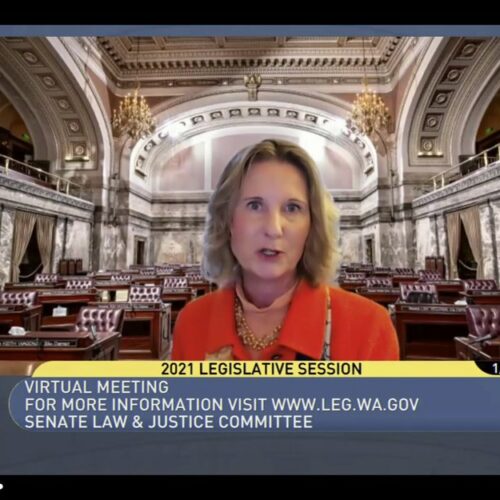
(271, 220)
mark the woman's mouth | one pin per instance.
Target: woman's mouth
(269, 252)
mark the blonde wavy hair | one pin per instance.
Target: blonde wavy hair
(319, 261)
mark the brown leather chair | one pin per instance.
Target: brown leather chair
(46, 278)
(429, 276)
(140, 293)
(147, 272)
(401, 271)
(162, 269)
(104, 320)
(18, 298)
(483, 321)
(121, 277)
(79, 284)
(379, 283)
(195, 277)
(480, 285)
(423, 293)
(175, 282)
(382, 270)
(355, 276)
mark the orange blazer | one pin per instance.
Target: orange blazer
(361, 328)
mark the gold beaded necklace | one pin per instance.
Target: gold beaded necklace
(247, 336)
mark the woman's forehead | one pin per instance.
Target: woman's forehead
(274, 174)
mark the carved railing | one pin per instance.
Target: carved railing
(29, 173)
(464, 168)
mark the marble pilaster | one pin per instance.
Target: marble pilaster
(78, 242)
(486, 246)
(351, 246)
(424, 240)
(57, 254)
(6, 238)
(393, 244)
(178, 247)
(443, 242)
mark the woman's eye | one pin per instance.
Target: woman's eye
(293, 207)
(254, 205)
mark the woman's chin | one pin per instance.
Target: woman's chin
(268, 274)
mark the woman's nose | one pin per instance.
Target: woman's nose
(273, 224)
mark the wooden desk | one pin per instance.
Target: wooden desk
(100, 276)
(381, 274)
(397, 279)
(78, 276)
(352, 285)
(491, 297)
(427, 331)
(146, 330)
(73, 300)
(29, 317)
(111, 287)
(147, 280)
(32, 287)
(45, 346)
(486, 351)
(383, 296)
(448, 290)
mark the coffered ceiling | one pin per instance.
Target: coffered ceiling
(180, 61)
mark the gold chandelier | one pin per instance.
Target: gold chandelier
(369, 112)
(133, 116)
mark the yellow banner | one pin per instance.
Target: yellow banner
(351, 369)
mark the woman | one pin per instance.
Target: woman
(270, 245)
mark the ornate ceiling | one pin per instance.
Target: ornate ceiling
(446, 84)
(205, 61)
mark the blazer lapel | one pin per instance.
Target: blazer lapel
(304, 327)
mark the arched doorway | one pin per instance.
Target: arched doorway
(466, 264)
(32, 260)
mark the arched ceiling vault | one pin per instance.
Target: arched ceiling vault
(228, 112)
(42, 79)
(446, 101)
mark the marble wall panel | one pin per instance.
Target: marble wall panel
(488, 253)
(57, 253)
(179, 209)
(112, 247)
(393, 251)
(424, 241)
(78, 239)
(351, 246)
(369, 203)
(178, 247)
(440, 247)
(139, 205)
(6, 238)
